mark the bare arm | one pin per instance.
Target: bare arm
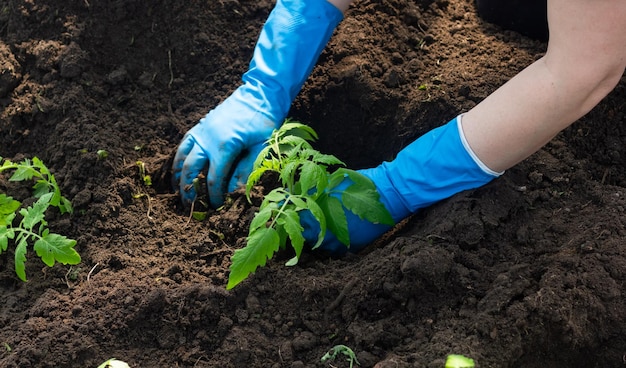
(585, 60)
(341, 4)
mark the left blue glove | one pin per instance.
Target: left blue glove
(436, 166)
(228, 139)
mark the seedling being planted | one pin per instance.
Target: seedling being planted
(306, 185)
(32, 227)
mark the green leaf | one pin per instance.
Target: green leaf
(313, 176)
(55, 247)
(23, 173)
(199, 215)
(20, 259)
(292, 262)
(333, 209)
(297, 201)
(40, 188)
(318, 213)
(254, 178)
(366, 204)
(43, 169)
(358, 179)
(282, 236)
(35, 213)
(293, 141)
(6, 233)
(260, 219)
(276, 195)
(262, 244)
(294, 230)
(336, 178)
(8, 207)
(321, 158)
(114, 363)
(65, 206)
(459, 361)
(265, 152)
(6, 164)
(361, 197)
(287, 173)
(301, 130)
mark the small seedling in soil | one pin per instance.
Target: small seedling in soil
(340, 349)
(459, 361)
(102, 154)
(305, 185)
(114, 363)
(32, 227)
(147, 179)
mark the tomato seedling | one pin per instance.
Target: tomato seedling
(340, 349)
(114, 363)
(306, 185)
(459, 361)
(32, 227)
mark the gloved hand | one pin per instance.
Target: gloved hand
(436, 166)
(228, 139)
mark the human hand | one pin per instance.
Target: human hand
(436, 166)
(228, 139)
(361, 232)
(225, 143)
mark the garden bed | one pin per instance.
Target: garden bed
(528, 271)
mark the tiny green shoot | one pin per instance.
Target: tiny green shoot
(306, 185)
(459, 361)
(114, 363)
(199, 215)
(102, 154)
(199, 186)
(147, 179)
(32, 226)
(340, 349)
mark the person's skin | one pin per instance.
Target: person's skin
(342, 5)
(585, 60)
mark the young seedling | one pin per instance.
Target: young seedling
(459, 361)
(147, 179)
(114, 363)
(340, 349)
(102, 154)
(32, 227)
(306, 185)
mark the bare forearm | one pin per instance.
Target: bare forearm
(523, 115)
(342, 5)
(582, 65)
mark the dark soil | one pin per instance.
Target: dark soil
(528, 271)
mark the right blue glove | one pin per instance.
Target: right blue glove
(436, 166)
(228, 139)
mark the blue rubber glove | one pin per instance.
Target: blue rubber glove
(434, 167)
(228, 139)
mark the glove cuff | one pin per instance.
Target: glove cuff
(470, 151)
(288, 47)
(436, 166)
